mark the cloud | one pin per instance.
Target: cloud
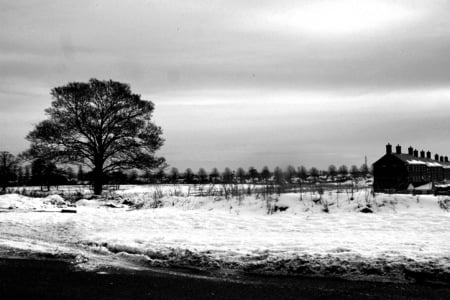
(314, 128)
(325, 19)
(188, 45)
(248, 78)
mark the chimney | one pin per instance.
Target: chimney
(428, 154)
(446, 159)
(422, 154)
(441, 159)
(388, 148)
(416, 153)
(436, 157)
(398, 149)
(410, 150)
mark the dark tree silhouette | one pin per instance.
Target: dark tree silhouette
(364, 169)
(8, 164)
(278, 176)
(354, 171)
(100, 124)
(70, 174)
(343, 170)
(80, 174)
(188, 175)
(290, 173)
(240, 175)
(174, 175)
(202, 175)
(133, 177)
(214, 175)
(332, 171)
(27, 175)
(227, 175)
(43, 173)
(118, 177)
(160, 175)
(253, 174)
(314, 172)
(265, 173)
(302, 172)
(20, 177)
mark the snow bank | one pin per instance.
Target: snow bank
(288, 203)
(16, 201)
(346, 244)
(404, 235)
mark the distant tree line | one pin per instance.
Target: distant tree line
(278, 175)
(13, 172)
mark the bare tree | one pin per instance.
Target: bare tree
(253, 174)
(332, 171)
(202, 175)
(174, 175)
(343, 170)
(364, 169)
(8, 162)
(80, 174)
(43, 172)
(302, 172)
(278, 176)
(240, 175)
(314, 173)
(214, 175)
(160, 175)
(227, 175)
(265, 173)
(99, 124)
(290, 173)
(354, 171)
(188, 175)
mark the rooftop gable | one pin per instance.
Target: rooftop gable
(413, 160)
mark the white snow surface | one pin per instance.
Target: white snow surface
(404, 232)
(16, 201)
(416, 162)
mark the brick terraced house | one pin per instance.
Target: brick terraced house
(397, 171)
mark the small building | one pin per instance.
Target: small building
(397, 171)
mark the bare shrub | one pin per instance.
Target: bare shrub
(444, 203)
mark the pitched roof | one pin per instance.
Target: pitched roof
(413, 160)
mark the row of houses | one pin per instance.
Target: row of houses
(397, 171)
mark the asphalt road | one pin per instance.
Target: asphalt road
(43, 279)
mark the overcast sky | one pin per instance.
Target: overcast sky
(242, 83)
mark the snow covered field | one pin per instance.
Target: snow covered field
(405, 237)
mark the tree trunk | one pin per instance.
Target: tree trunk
(98, 186)
(98, 180)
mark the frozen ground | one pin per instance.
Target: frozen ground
(405, 237)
